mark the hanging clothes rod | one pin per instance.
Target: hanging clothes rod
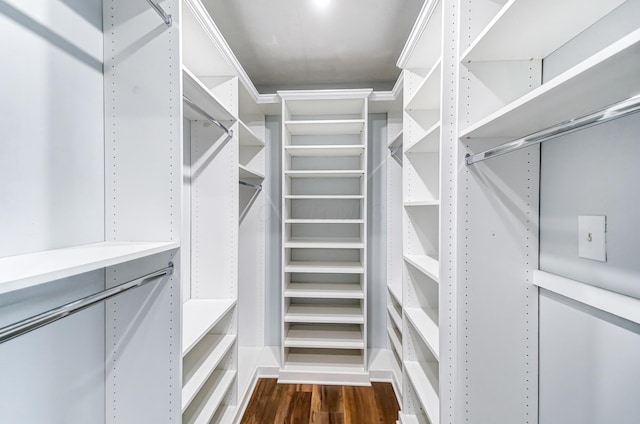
(29, 324)
(615, 111)
(206, 115)
(160, 11)
(395, 150)
(257, 187)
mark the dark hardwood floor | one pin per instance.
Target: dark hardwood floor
(273, 403)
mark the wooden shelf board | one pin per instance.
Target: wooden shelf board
(325, 337)
(426, 328)
(324, 290)
(209, 352)
(429, 142)
(325, 150)
(324, 314)
(247, 173)
(23, 271)
(514, 33)
(425, 264)
(324, 243)
(355, 173)
(199, 94)
(199, 316)
(425, 384)
(208, 400)
(325, 127)
(325, 267)
(427, 95)
(574, 93)
(248, 137)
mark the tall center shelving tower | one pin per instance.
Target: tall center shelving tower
(324, 285)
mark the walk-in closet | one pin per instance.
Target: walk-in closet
(319, 211)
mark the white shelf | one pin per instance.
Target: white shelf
(199, 94)
(422, 203)
(325, 150)
(207, 402)
(395, 316)
(425, 384)
(397, 140)
(407, 419)
(427, 95)
(396, 292)
(324, 197)
(324, 243)
(425, 264)
(324, 290)
(23, 271)
(428, 143)
(426, 327)
(246, 173)
(324, 362)
(198, 317)
(206, 356)
(248, 137)
(395, 341)
(324, 314)
(574, 93)
(325, 337)
(325, 127)
(325, 267)
(355, 173)
(525, 29)
(323, 221)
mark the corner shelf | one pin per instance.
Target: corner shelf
(426, 327)
(198, 317)
(427, 95)
(425, 264)
(325, 127)
(248, 138)
(428, 143)
(28, 270)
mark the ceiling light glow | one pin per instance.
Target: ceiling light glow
(322, 3)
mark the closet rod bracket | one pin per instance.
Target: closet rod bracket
(168, 19)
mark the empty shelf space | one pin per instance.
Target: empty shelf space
(429, 142)
(328, 127)
(324, 314)
(323, 361)
(248, 137)
(324, 197)
(422, 203)
(323, 221)
(396, 343)
(198, 317)
(245, 172)
(427, 95)
(325, 267)
(325, 150)
(572, 94)
(199, 94)
(206, 356)
(324, 290)
(22, 271)
(350, 173)
(425, 385)
(514, 33)
(208, 400)
(426, 327)
(324, 243)
(425, 264)
(326, 337)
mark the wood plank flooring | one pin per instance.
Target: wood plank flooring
(273, 403)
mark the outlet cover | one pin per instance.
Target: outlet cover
(592, 240)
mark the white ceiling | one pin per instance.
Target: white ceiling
(295, 44)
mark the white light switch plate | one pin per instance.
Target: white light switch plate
(592, 240)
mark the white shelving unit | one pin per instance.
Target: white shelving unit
(324, 286)
(422, 110)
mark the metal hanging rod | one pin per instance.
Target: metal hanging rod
(395, 150)
(160, 11)
(206, 115)
(257, 187)
(615, 111)
(29, 324)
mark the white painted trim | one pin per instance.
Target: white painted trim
(324, 94)
(416, 33)
(614, 303)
